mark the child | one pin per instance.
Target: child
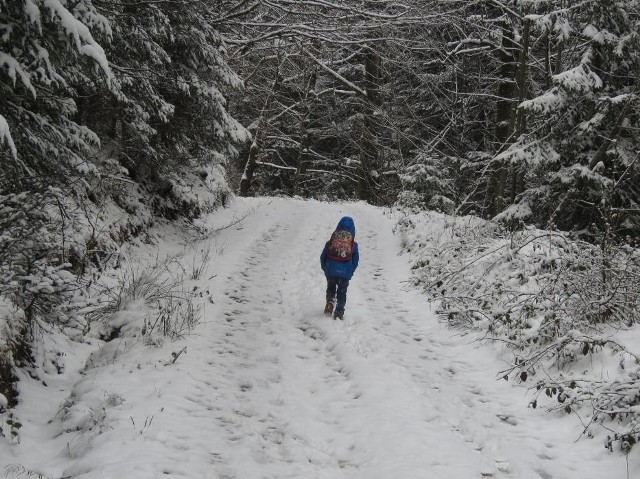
(339, 260)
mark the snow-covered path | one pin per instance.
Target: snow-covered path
(319, 398)
(272, 388)
(389, 392)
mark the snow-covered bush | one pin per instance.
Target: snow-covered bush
(438, 182)
(93, 153)
(425, 185)
(153, 302)
(36, 259)
(553, 300)
(46, 258)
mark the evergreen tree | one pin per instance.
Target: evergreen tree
(46, 50)
(170, 124)
(580, 142)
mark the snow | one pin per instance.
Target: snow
(12, 67)
(5, 135)
(546, 103)
(535, 153)
(516, 211)
(269, 387)
(33, 12)
(598, 36)
(80, 34)
(580, 79)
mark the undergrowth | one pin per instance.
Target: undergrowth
(554, 301)
(63, 271)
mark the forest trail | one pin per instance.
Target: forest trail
(271, 388)
(387, 393)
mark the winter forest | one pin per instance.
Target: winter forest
(497, 139)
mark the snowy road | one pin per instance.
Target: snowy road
(319, 398)
(387, 393)
(272, 388)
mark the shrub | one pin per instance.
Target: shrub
(553, 300)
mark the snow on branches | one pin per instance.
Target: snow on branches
(555, 303)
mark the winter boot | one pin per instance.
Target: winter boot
(328, 309)
(339, 315)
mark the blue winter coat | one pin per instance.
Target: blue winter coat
(341, 269)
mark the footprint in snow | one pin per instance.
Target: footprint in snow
(503, 465)
(507, 419)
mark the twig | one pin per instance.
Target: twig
(177, 355)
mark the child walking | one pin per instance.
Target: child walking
(339, 260)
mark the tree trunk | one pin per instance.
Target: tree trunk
(519, 116)
(547, 60)
(558, 67)
(256, 146)
(247, 175)
(504, 106)
(615, 131)
(369, 157)
(305, 140)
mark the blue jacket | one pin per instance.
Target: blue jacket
(341, 269)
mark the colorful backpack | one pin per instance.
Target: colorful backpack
(341, 246)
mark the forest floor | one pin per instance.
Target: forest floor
(270, 387)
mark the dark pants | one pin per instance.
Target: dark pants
(341, 285)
